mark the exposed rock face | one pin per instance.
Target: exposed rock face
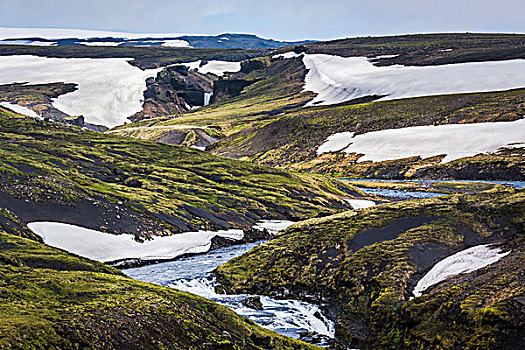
(176, 89)
(226, 88)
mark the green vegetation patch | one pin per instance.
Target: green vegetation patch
(364, 265)
(54, 300)
(125, 185)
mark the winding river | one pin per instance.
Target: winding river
(293, 318)
(194, 274)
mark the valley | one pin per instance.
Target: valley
(232, 192)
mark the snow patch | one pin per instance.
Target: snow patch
(20, 109)
(287, 55)
(360, 203)
(176, 43)
(338, 79)
(383, 56)
(28, 42)
(454, 140)
(101, 43)
(107, 247)
(216, 67)
(220, 67)
(274, 226)
(468, 260)
(109, 89)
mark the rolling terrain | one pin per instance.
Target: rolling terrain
(364, 265)
(52, 171)
(52, 299)
(146, 150)
(265, 112)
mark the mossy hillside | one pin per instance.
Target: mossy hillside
(6, 112)
(121, 183)
(52, 299)
(292, 139)
(274, 90)
(479, 310)
(300, 133)
(364, 263)
(34, 94)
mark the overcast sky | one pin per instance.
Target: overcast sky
(279, 19)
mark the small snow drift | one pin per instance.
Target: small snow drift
(360, 203)
(273, 226)
(454, 140)
(20, 109)
(468, 260)
(338, 79)
(215, 67)
(286, 55)
(109, 89)
(106, 247)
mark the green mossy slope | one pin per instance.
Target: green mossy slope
(292, 140)
(54, 172)
(54, 300)
(364, 265)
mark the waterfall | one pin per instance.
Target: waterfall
(207, 98)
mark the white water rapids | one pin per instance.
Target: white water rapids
(290, 317)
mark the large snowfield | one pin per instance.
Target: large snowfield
(454, 140)
(109, 89)
(468, 260)
(338, 79)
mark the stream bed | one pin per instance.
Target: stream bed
(297, 319)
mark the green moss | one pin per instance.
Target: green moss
(51, 299)
(370, 285)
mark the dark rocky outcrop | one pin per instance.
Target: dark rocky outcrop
(175, 90)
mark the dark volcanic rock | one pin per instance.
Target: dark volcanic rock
(253, 303)
(176, 89)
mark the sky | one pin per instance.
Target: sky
(278, 19)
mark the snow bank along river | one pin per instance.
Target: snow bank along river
(107, 247)
(193, 274)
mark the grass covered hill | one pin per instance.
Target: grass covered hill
(364, 265)
(50, 171)
(54, 300)
(292, 140)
